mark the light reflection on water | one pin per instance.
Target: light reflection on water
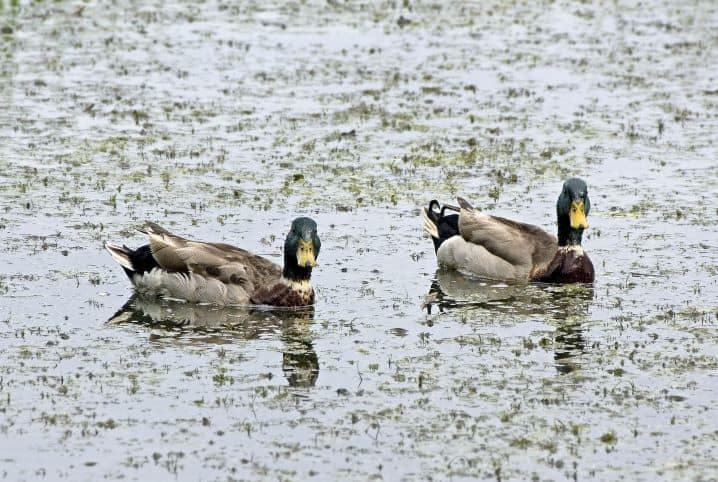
(564, 307)
(204, 324)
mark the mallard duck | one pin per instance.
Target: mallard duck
(216, 273)
(501, 249)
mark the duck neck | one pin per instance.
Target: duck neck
(293, 272)
(567, 236)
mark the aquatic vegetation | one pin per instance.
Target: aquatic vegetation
(219, 120)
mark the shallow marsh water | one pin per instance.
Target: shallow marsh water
(225, 122)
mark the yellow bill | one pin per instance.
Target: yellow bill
(305, 254)
(577, 215)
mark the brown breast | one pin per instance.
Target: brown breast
(281, 294)
(569, 265)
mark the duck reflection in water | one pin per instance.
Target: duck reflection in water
(563, 306)
(210, 324)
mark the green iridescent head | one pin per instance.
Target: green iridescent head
(301, 249)
(572, 209)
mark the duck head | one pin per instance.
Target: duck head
(572, 210)
(301, 249)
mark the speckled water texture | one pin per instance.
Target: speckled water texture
(224, 121)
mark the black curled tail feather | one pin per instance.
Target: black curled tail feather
(431, 219)
(434, 211)
(439, 225)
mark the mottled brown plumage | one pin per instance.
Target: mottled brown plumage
(283, 293)
(227, 263)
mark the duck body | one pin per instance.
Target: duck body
(171, 266)
(501, 249)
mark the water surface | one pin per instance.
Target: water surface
(224, 122)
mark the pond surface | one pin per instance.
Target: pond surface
(224, 122)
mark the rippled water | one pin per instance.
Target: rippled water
(224, 122)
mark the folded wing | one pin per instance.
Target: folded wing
(524, 246)
(226, 263)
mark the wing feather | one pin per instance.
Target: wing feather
(220, 261)
(524, 246)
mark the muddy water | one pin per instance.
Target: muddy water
(224, 122)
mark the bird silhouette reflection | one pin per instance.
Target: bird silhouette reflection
(563, 306)
(210, 324)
